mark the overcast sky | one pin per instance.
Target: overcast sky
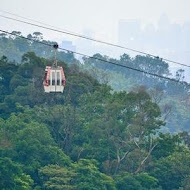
(99, 16)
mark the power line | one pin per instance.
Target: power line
(34, 20)
(87, 38)
(99, 59)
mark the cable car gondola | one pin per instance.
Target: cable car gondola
(54, 79)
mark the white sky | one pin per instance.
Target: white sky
(99, 16)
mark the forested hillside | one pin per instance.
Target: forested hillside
(91, 137)
(173, 98)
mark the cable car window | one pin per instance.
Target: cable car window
(53, 78)
(45, 75)
(58, 78)
(49, 80)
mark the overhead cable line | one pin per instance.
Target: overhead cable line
(89, 38)
(99, 59)
(34, 21)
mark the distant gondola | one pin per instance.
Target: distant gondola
(54, 79)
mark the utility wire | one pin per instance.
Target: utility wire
(34, 21)
(99, 59)
(88, 38)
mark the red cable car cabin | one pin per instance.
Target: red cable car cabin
(54, 80)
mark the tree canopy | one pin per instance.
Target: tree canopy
(91, 137)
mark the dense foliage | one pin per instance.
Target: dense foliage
(118, 78)
(91, 137)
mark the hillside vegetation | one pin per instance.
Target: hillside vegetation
(91, 137)
(173, 98)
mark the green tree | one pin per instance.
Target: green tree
(88, 177)
(166, 145)
(172, 170)
(119, 126)
(126, 181)
(147, 181)
(32, 145)
(54, 177)
(12, 177)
